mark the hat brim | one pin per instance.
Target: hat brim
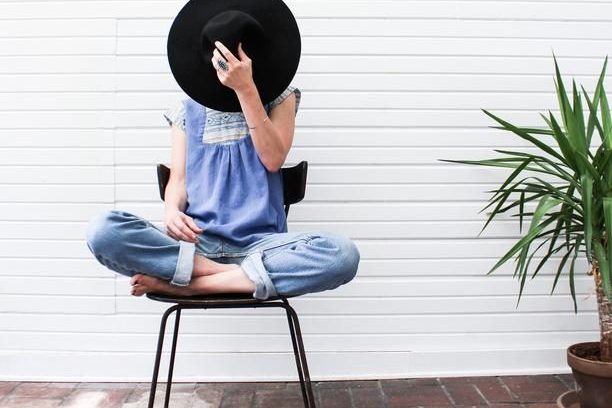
(275, 57)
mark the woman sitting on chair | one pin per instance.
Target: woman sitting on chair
(225, 225)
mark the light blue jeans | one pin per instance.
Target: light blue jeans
(288, 263)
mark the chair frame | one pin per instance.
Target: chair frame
(294, 187)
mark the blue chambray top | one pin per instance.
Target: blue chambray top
(230, 193)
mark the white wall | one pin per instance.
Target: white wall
(389, 87)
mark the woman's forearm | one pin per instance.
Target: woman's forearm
(266, 137)
(175, 197)
(238, 75)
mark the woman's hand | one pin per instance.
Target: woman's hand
(181, 227)
(239, 74)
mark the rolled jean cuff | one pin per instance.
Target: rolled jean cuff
(184, 264)
(253, 266)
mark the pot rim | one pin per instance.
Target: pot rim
(586, 366)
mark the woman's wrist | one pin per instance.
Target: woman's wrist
(170, 209)
(247, 91)
(172, 206)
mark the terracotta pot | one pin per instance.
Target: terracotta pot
(593, 378)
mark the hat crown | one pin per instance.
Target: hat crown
(231, 27)
(269, 35)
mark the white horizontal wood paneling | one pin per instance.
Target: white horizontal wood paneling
(41, 364)
(389, 88)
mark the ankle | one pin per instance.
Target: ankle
(205, 266)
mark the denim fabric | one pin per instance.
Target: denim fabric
(129, 244)
(290, 263)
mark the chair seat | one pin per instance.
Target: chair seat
(218, 298)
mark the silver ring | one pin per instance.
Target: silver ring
(222, 64)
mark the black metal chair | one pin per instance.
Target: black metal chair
(294, 184)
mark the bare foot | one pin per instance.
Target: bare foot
(232, 281)
(142, 284)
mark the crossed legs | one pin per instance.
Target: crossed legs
(208, 277)
(295, 262)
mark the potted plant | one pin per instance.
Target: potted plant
(567, 183)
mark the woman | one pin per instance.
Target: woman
(225, 227)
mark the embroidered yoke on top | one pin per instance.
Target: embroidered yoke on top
(230, 193)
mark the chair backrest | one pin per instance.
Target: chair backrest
(294, 182)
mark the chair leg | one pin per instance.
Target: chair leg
(298, 359)
(160, 344)
(300, 356)
(177, 319)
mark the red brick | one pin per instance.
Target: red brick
(476, 406)
(22, 402)
(106, 385)
(43, 390)
(515, 405)
(278, 398)
(465, 394)
(335, 398)
(92, 398)
(568, 380)
(348, 384)
(493, 390)
(237, 398)
(426, 396)
(367, 397)
(205, 388)
(207, 398)
(541, 406)
(7, 387)
(409, 382)
(538, 388)
(211, 397)
(138, 394)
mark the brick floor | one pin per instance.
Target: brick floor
(536, 391)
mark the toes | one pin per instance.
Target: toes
(139, 279)
(138, 290)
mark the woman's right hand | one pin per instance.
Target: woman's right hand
(180, 226)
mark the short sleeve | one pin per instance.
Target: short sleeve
(176, 115)
(285, 94)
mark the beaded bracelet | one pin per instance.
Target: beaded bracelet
(261, 123)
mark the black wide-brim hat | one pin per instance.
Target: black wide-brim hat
(269, 35)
